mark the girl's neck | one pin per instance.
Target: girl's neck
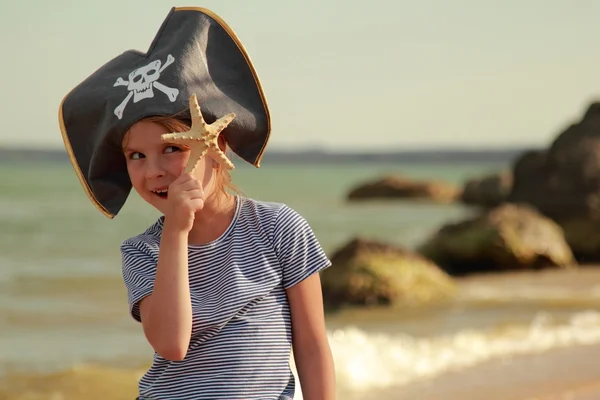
(213, 220)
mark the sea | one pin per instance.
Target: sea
(65, 332)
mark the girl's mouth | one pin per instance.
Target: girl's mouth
(161, 193)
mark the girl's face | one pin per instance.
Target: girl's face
(153, 164)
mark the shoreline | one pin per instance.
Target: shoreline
(555, 282)
(549, 273)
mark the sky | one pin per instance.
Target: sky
(337, 74)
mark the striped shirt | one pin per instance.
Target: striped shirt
(241, 330)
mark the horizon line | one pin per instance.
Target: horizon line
(332, 150)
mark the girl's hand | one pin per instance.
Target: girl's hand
(185, 198)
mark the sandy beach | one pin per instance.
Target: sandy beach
(586, 392)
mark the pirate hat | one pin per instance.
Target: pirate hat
(194, 52)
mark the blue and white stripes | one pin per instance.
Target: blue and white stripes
(241, 333)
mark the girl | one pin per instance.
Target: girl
(224, 286)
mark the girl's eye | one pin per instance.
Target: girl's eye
(135, 156)
(172, 149)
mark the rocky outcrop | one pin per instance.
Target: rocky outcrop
(563, 183)
(487, 191)
(365, 272)
(508, 237)
(397, 187)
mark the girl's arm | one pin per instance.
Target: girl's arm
(167, 312)
(312, 354)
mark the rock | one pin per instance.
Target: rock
(563, 183)
(398, 187)
(365, 272)
(508, 237)
(488, 191)
(526, 170)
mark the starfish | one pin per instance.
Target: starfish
(201, 138)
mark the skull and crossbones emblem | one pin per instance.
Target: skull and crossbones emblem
(142, 82)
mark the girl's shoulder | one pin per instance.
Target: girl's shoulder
(282, 222)
(147, 242)
(270, 215)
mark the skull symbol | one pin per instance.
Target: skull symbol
(142, 82)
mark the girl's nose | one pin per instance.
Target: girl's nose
(154, 170)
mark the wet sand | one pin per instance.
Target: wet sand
(587, 392)
(586, 277)
(557, 375)
(79, 383)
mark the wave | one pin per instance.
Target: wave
(366, 361)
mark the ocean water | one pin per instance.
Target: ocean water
(63, 307)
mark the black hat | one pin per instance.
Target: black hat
(194, 52)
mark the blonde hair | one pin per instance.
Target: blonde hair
(223, 185)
